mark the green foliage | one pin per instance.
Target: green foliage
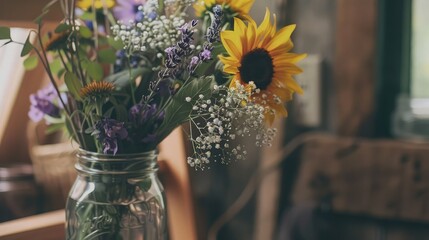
(85, 32)
(52, 128)
(5, 33)
(73, 85)
(31, 62)
(27, 47)
(63, 28)
(56, 66)
(107, 56)
(178, 110)
(145, 184)
(116, 44)
(124, 78)
(94, 70)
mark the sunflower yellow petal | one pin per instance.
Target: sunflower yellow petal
(240, 29)
(230, 69)
(281, 37)
(229, 61)
(231, 42)
(265, 26)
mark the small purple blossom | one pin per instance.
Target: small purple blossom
(108, 132)
(148, 115)
(206, 54)
(143, 113)
(44, 102)
(193, 64)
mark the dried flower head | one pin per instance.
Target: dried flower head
(97, 90)
(56, 41)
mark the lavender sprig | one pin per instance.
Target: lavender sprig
(213, 33)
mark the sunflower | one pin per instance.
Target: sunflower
(259, 56)
(240, 7)
(98, 4)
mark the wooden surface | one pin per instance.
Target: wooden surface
(175, 177)
(48, 226)
(378, 178)
(354, 68)
(268, 191)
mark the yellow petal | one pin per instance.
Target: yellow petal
(265, 26)
(229, 61)
(289, 57)
(290, 68)
(240, 29)
(231, 42)
(281, 37)
(230, 69)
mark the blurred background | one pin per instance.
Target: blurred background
(351, 160)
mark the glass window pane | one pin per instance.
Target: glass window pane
(420, 49)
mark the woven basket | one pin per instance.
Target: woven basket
(53, 168)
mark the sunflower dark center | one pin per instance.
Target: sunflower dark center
(257, 66)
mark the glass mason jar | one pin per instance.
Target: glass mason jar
(116, 197)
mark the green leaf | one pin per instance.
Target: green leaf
(4, 33)
(94, 70)
(52, 128)
(107, 56)
(123, 79)
(56, 66)
(116, 44)
(27, 47)
(87, 16)
(85, 32)
(179, 110)
(146, 184)
(73, 85)
(62, 27)
(31, 62)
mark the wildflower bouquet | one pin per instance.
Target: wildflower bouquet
(125, 73)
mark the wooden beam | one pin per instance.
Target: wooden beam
(354, 69)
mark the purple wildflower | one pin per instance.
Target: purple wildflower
(44, 102)
(193, 64)
(108, 131)
(143, 113)
(128, 10)
(214, 29)
(180, 51)
(206, 54)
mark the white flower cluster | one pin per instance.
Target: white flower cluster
(149, 7)
(149, 35)
(182, 2)
(224, 121)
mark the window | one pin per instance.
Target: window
(420, 50)
(11, 74)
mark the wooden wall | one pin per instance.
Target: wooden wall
(21, 13)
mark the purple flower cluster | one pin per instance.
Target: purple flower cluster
(108, 132)
(178, 52)
(214, 29)
(44, 103)
(128, 11)
(212, 36)
(148, 115)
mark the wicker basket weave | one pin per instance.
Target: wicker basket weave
(53, 168)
